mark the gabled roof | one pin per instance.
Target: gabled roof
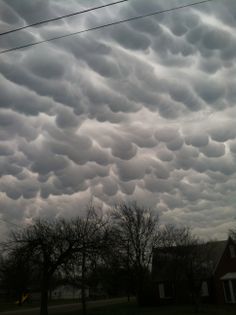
(164, 263)
(217, 249)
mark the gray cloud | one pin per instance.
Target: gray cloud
(144, 110)
(197, 140)
(214, 150)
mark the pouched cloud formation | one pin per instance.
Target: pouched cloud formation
(141, 111)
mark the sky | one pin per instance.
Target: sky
(142, 111)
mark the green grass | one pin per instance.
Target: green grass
(133, 309)
(11, 305)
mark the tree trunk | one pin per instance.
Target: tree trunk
(140, 284)
(44, 294)
(20, 298)
(197, 299)
(197, 305)
(128, 272)
(83, 288)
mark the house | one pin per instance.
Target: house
(187, 273)
(68, 291)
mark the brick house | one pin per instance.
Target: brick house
(210, 275)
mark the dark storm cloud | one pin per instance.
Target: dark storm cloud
(15, 189)
(224, 131)
(197, 140)
(127, 188)
(5, 150)
(9, 169)
(131, 170)
(156, 185)
(210, 91)
(233, 147)
(8, 15)
(29, 11)
(214, 149)
(20, 99)
(144, 110)
(172, 201)
(13, 124)
(166, 134)
(216, 39)
(134, 40)
(50, 68)
(165, 155)
(186, 96)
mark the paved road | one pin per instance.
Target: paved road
(64, 308)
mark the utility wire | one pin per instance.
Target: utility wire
(9, 222)
(104, 26)
(61, 17)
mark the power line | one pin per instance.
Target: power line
(104, 26)
(9, 222)
(61, 17)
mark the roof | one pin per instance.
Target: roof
(217, 249)
(229, 276)
(167, 260)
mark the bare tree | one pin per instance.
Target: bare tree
(91, 231)
(172, 236)
(137, 228)
(47, 245)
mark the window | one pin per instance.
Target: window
(233, 282)
(161, 290)
(232, 251)
(227, 292)
(204, 289)
(166, 290)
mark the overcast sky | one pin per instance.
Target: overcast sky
(141, 111)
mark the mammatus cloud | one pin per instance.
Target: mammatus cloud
(139, 111)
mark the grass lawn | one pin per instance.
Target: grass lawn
(11, 305)
(133, 309)
(7, 306)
